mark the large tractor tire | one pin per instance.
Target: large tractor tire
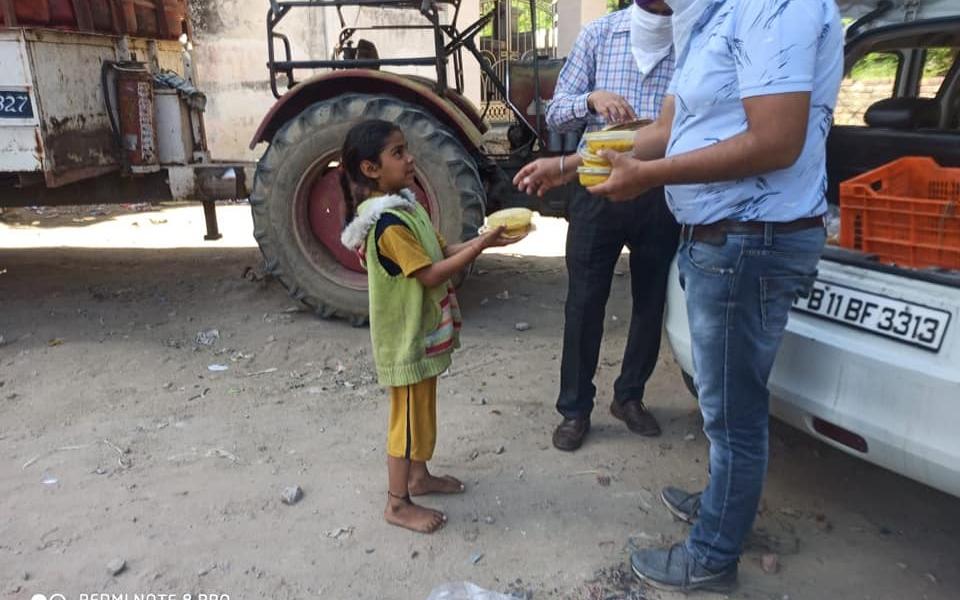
(298, 208)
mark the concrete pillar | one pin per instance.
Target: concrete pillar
(572, 15)
(469, 13)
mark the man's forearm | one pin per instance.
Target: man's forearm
(744, 155)
(567, 112)
(650, 142)
(774, 139)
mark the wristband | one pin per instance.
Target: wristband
(562, 158)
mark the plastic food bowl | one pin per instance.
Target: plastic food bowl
(592, 161)
(619, 141)
(593, 175)
(516, 221)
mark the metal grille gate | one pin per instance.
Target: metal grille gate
(510, 37)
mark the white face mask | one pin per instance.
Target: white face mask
(651, 39)
(686, 13)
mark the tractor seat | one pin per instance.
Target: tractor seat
(367, 50)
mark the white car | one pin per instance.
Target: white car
(870, 362)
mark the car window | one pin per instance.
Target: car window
(936, 64)
(872, 78)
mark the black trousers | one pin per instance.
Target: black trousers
(598, 231)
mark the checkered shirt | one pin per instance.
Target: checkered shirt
(601, 59)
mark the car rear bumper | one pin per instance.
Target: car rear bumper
(903, 402)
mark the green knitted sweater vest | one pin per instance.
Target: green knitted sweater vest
(410, 326)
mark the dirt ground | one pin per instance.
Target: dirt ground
(118, 441)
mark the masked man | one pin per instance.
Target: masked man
(618, 70)
(740, 147)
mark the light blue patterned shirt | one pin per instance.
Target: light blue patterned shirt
(746, 48)
(601, 59)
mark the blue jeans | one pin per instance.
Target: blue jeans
(738, 296)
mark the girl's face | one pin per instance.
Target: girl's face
(396, 168)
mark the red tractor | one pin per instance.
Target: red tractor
(297, 204)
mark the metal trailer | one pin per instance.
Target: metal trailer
(94, 115)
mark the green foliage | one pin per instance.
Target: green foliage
(883, 65)
(521, 9)
(520, 13)
(939, 61)
(876, 65)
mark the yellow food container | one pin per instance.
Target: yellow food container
(620, 141)
(516, 220)
(592, 175)
(597, 164)
(592, 161)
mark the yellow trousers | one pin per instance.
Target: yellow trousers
(412, 431)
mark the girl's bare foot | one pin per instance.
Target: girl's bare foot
(431, 484)
(402, 512)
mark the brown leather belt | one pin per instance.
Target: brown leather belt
(716, 233)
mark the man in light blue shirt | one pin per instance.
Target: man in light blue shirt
(778, 59)
(740, 147)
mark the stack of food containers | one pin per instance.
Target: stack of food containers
(596, 169)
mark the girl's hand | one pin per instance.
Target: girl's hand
(491, 238)
(502, 240)
(543, 174)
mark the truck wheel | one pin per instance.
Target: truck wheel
(299, 210)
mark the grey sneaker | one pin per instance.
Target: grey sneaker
(673, 569)
(681, 504)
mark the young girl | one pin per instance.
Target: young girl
(414, 317)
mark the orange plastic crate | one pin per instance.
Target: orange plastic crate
(907, 212)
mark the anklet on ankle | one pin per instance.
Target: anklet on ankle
(405, 497)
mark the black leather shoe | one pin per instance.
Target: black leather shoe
(638, 419)
(569, 434)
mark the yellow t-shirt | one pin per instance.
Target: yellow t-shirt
(399, 249)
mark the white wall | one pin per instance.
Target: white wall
(231, 55)
(571, 16)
